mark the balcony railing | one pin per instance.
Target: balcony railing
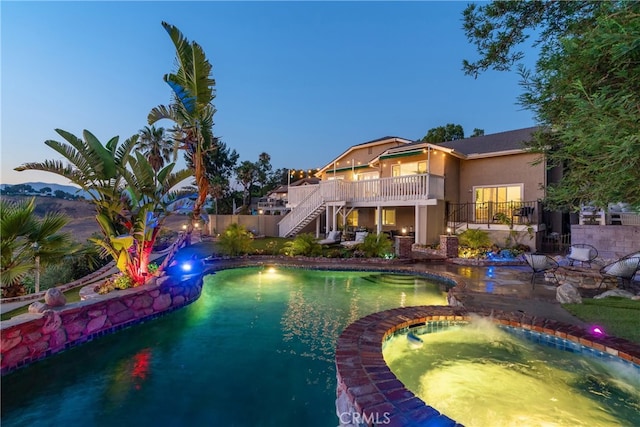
(494, 212)
(400, 188)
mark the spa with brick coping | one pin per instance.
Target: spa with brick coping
(368, 393)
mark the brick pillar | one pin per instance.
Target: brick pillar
(449, 246)
(403, 246)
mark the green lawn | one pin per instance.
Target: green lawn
(618, 316)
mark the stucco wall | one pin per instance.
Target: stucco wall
(266, 225)
(513, 169)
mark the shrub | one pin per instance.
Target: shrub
(153, 268)
(105, 288)
(235, 240)
(376, 245)
(475, 238)
(304, 244)
(123, 282)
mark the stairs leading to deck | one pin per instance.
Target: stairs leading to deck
(307, 211)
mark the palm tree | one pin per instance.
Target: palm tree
(155, 145)
(28, 242)
(191, 109)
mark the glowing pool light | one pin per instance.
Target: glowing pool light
(597, 331)
(187, 267)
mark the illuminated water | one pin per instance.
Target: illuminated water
(257, 349)
(481, 375)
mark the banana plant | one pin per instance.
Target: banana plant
(129, 196)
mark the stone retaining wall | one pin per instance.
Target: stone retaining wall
(611, 241)
(30, 337)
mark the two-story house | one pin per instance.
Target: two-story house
(421, 189)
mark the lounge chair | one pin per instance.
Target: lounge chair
(541, 264)
(333, 237)
(360, 235)
(582, 253)
(622, 270)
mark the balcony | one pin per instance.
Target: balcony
(417, 188)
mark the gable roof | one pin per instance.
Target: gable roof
(384, 140)
(508, 142)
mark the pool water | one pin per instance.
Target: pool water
(256, 349)
(482, 375)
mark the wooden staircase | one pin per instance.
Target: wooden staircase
(307, 211)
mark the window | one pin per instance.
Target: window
(365, 176)
(352, 219)
(388, 217)
(510, 193)
(494, 200)
(412, 168)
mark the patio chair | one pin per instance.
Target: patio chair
(360, 235)
(581, 252)
(622, 270)
(333, 237)
(541, 264)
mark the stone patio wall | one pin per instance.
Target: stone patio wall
(611, 241)
(30, 337)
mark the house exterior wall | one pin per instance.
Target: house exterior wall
(512, 169)
(452, 179)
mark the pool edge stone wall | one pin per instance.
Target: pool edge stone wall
(368, 393)
(30, 337)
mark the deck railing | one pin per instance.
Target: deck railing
(409, 187)
(494, 212)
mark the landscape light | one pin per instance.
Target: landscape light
(597, 331)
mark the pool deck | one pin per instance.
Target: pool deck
(505, 288)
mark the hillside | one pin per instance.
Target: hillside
(82, 223)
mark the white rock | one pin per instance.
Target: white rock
(568, 294)
(37, 307)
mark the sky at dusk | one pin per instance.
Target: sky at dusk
(302, 81)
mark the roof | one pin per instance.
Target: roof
(305, 181)
(386, 139)
(502, 142)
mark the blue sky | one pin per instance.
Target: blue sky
(302, 81)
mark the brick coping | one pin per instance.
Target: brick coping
(368, 390)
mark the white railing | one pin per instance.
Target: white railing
(304, 208)
(305, 200)
(296, 195)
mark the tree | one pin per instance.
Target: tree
(24, 238)
(191, 110)
(450, 132)
(128, 195)
(477, 132)
(264, 170)
(247, 175)
(156, 146)
(219, 165)
(45, 190)
(584, 90)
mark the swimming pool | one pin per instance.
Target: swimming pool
(257, 348)
(481, 374)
